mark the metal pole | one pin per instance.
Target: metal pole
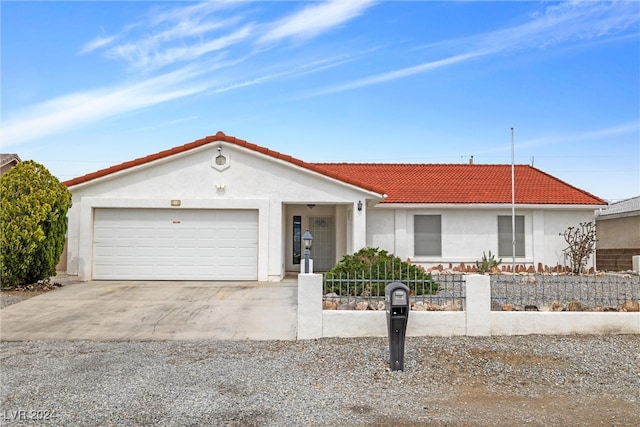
(513, 204)
(306, 261)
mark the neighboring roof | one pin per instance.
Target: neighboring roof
(6, 159)
(408, 183)
(218, 137)
(622, 208)
(464, 183)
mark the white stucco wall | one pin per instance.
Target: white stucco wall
(467, 232)
(477, 319)
(253, 181)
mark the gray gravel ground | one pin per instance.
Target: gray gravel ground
(578, 380)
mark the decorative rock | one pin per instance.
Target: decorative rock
(575, 306)
(432, 307)
(329, 305)
(362, 306)
(507, 307)
(631, 306)
(347, 306)
(455, 305)
(556, 306)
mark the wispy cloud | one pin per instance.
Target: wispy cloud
(212, 36)
(296, 69)
(592, 135)
(146, 54)
(78, 109)
(316, 19)
(180, 34)
(171, 35)
(400, 73)
(568, 21)
(203, 35)
(97, 43)
(565, 138)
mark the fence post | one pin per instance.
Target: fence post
(478, 309)
(309, 306)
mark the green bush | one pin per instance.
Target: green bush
(369, 270)
(487, 263)
(33, 219)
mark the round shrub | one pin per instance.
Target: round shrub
(33, 219)
(369, 270)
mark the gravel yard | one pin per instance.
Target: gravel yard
(578, 380)
(537, 380)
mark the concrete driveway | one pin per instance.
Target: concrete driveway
(106, 310)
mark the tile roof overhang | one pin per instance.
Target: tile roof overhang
(407, 183)
(465, 184)
(221, 137)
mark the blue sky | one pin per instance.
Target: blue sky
(86, 85)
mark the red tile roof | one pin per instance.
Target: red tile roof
(408, 183)
(464, 183)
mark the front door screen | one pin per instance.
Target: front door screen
(323, 247)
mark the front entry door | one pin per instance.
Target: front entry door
(323, 249)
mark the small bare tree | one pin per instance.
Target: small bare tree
(581, 241)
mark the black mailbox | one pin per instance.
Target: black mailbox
(396, 299)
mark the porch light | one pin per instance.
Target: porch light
(359, 205)
(307, 238)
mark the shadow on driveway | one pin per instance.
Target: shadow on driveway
(142, 311)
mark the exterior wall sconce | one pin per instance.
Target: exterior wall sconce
(307, 238)
(359, 205)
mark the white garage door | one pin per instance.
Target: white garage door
(175, 244)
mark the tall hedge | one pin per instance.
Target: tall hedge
(33, 225)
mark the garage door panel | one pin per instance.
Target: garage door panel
(145, 233)
(163, 244)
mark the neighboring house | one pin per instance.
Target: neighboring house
(221, 208)
(618, 233)
(7, 161)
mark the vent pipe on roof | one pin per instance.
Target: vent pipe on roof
(471, 160)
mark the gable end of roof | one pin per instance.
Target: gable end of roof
(221, 137)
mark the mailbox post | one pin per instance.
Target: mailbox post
(396, 298)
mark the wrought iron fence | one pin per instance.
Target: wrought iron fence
(601, 292)
(365, 290)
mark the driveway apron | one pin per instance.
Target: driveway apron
(118, 310)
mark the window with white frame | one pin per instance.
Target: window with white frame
(427, 234)
(505, 236)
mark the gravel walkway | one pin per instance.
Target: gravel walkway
(592, 380)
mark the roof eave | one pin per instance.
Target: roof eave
(419, 205)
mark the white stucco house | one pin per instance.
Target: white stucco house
(221, 208)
